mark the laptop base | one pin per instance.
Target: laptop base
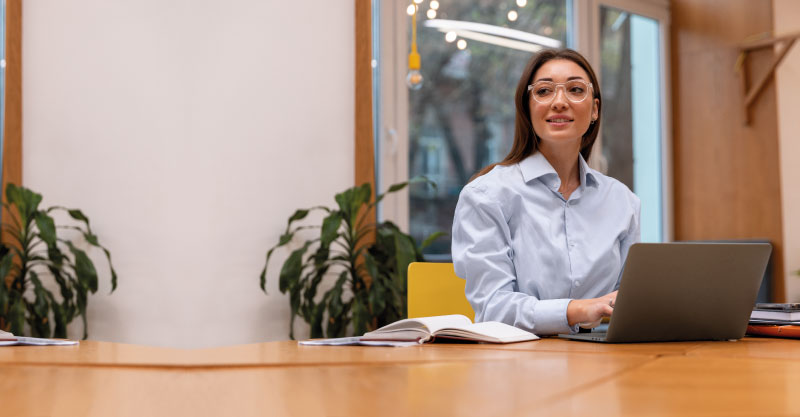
(586, 337)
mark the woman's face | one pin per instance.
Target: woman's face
(557, 118)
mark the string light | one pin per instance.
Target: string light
(522, 3)
(435, 4)
(450, 36)
(461, 44)
(512, 15)
(411, 9)
(431, 14)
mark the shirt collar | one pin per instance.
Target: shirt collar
(536, 166)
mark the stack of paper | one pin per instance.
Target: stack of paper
(8, 339)
(776, 313)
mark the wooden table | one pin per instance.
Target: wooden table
(752, 376)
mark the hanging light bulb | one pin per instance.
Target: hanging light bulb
(414, 79)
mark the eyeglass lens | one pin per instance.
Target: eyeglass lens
(545, 91)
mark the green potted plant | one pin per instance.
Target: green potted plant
(366, 263)
(32, 252)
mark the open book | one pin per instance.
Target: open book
(455, 326)
(8, 339)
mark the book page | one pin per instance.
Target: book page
(490, 331)
(429, 324)
(354, 341)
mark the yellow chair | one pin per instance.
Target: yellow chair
(435, 290)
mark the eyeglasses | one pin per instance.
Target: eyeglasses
(545, 91)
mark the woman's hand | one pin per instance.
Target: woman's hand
(589, 312)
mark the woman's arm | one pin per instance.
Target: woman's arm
(483, 255)
(634, 234)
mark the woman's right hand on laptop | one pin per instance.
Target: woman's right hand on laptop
(589, 312)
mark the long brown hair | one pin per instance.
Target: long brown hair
(526, 142)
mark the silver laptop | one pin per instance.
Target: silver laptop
(685, 291)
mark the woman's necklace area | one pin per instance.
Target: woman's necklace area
(569, 189)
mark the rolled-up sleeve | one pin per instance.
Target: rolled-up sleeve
(483, 255)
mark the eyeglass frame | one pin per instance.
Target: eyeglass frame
(564, 86)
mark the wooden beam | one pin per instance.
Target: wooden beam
(752, 94)
(364, 147)
(747, 47)
(12, 129)
(764, 43)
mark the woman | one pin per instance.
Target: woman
(540, 237)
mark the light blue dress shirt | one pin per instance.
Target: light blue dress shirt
(526, 252)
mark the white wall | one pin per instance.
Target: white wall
(188, 132)
(787, 20)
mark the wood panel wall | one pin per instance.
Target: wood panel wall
(726, 174)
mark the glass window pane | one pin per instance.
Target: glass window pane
(631, 136)
(462, 118)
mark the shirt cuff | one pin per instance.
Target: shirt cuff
(550, 317)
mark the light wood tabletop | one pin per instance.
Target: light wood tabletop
(692, 385)
(95, 353)
(753, 376)
(460, 387)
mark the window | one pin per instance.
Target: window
(462, 118)
(631, 57)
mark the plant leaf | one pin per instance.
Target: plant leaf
(292, 268)
(40, 309)
(330, 228)
(84, 268)
(376, 295)
(3, 298)
(406, 252)
(113, 272)
(92, 239)
(5, 266)
(78, 215)
(360, 315)
(16, 315)
(430, 239)
(399, 186)
(80, 302)
(337, 309)
(47, 228)
(298, 215)
(27, 201)
(315, 321)
(59, 318)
